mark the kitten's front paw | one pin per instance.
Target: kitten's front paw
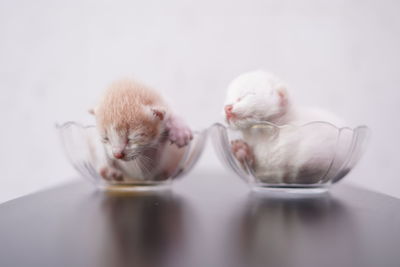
(242, 152)
(178, 132)
(111, 174)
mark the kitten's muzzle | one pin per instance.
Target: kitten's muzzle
(119, 155)
(229, 113)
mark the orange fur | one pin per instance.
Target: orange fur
(124, 104)
(135, 125)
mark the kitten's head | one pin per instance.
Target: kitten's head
(253, 97)
(127, 135)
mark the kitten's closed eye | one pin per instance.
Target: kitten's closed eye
(245, 95)
(132, 140)
(137, 138)
(104, 139)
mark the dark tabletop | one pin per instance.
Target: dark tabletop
(208, 219)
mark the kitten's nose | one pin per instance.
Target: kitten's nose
(228, 111)
(119, 155)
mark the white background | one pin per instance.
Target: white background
(57, 56)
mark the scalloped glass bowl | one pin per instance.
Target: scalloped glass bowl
(86, 153)
(286, 150)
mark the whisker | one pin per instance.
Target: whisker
(143, 167)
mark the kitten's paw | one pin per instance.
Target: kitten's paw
(242, 152)
(111, 174)
(178, 132)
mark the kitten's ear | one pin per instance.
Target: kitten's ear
(158, 113)
(92, 111)
(282, 94)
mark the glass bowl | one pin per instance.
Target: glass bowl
(86, 152)
(307, 158)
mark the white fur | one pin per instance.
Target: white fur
(293, 153)
(254, 97)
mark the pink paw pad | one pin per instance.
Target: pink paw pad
(179, 133)
(111, 174)
(242, 151)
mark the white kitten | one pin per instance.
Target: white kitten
(290, 155)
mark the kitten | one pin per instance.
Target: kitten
(141, 135)
(295, 155)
